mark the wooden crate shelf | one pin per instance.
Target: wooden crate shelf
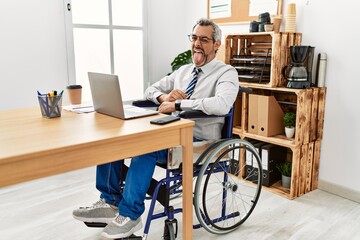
(269, 47)
(280, 140)
(305, 169)
(305, 160)
(279, 190)
(309, 106)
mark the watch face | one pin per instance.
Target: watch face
(177, 106)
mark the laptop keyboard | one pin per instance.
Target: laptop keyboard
(129, 108)
(132, 111)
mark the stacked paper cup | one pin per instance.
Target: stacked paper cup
(290, 21)
(276, 21)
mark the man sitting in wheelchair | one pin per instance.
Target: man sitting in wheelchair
(207, 85)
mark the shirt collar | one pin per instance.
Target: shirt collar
(207, 67)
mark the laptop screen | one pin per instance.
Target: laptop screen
(106, 95)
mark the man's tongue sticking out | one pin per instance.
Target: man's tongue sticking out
(198, 57)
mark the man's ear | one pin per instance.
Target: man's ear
(217, 44)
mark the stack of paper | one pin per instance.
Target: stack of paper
(81, 108)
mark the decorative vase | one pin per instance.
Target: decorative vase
(285, 181)
(289, 132)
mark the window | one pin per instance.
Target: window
(108, 37)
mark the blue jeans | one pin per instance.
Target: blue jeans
(138, 178)
(131, 201)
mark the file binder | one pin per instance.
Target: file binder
(271, 155)
(234, 162)
(255, 171)
(249, 174)
(248, 165)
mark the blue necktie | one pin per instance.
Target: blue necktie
(190, 89)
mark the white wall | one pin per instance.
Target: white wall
(166, 38)
(32, 51)
(33, 56)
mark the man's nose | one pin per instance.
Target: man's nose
(197, 42)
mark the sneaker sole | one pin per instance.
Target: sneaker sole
(94, 220)
(124, 235)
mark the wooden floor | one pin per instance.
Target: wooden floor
(42, 209)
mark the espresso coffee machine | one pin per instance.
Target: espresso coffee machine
(299, 72)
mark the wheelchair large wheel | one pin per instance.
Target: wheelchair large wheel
(224, 196)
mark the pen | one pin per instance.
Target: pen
(47, 106)
(43, 103)
(52, 99)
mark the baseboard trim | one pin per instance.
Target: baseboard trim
(339, 190)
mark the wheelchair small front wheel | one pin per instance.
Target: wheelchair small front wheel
(170, 232)
(223, 199)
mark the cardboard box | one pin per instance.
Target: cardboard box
(265, 116)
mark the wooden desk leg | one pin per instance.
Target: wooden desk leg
(187, 154)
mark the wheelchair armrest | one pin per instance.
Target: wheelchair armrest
(144, 103)
(246, 90)
(192, 114)
(197, 114)
(183, 114)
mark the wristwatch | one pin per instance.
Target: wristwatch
(177, 105)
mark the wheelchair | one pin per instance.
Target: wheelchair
(226, 191)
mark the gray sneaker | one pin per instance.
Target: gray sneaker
(99, 212)
(122, 227)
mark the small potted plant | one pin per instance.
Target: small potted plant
(285, 170)
(289, 123)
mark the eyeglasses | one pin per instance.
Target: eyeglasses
(203, 39)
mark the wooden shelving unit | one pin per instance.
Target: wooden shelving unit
(308, 104)
(305, 146)
(260, 54)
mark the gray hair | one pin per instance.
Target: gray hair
(216, 34)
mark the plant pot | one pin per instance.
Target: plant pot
(289, 132)
(285, 181)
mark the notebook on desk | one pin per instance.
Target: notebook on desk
(106, 95)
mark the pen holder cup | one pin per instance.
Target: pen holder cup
(50, 106)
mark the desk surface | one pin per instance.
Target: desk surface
(24, 131)
(32, 146)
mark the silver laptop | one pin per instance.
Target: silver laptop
(106, 95)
